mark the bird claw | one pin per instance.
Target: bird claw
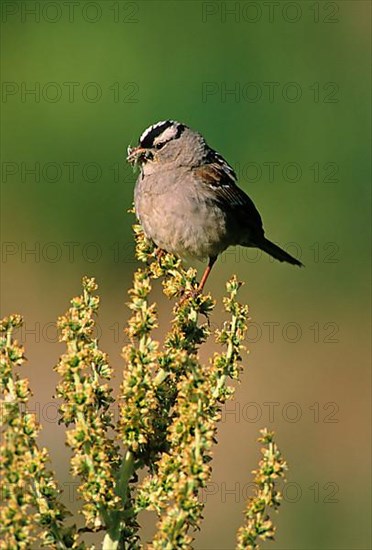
(159, 253)
(193, 295)
(189, 294)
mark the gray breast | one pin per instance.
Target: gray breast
(178, 217)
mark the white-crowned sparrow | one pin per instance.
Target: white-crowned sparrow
(187, 199)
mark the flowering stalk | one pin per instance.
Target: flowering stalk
(86, 400)
(271, 468)
(180, 473)
(30, 508)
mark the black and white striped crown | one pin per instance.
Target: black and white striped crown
(161, 132)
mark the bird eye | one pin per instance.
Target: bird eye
(160, 144)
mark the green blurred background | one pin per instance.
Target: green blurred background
(281, 90)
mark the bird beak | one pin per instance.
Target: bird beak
(135, 155)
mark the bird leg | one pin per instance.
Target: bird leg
(159, 253)
(196, 291)
(206, 273)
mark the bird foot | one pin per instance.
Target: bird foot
(189, 294)
(159, 253)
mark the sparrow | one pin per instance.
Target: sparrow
(188, 201)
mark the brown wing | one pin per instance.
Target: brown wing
(221, 180)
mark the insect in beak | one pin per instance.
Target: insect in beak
(136, 155)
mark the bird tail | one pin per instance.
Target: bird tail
(278, 253)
